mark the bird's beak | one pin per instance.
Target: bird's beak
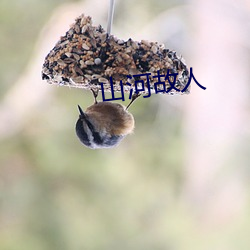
(82, 115)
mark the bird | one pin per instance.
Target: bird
(104, 124)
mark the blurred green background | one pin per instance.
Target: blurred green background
(181, 181)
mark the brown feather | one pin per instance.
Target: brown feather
(111, 117)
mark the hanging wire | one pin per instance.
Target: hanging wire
(110, 15)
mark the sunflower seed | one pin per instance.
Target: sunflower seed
(103, 80)
(85, 46)
(154, 49)
(61, 62)
(78, 70)
(69, 60)
(88, 62)
(145, 42)
(95, 76)
(77, 57)
(77, 29)
(68, 54)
